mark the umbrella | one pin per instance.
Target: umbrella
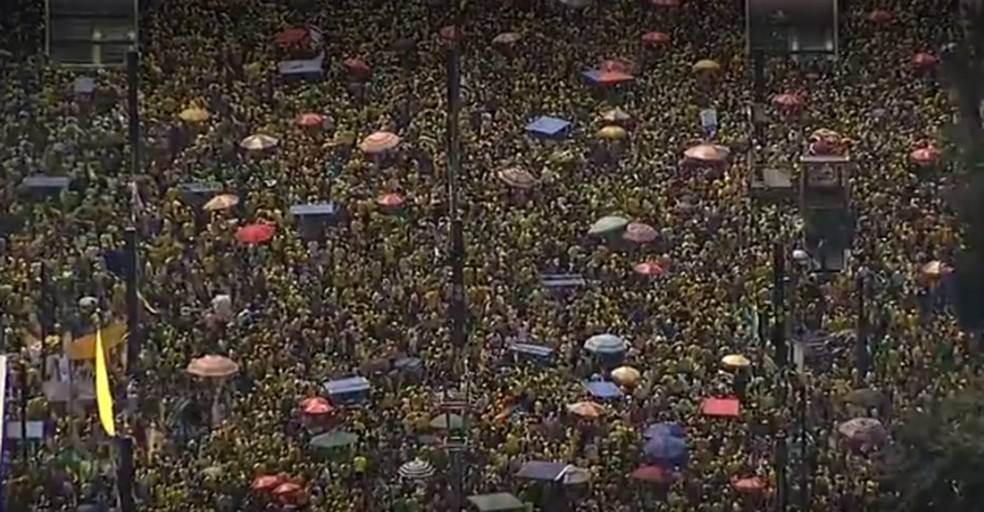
(452, 33)
(862, 429)
(266, 482)
(652, 474)
(212, 366)
(880, 16)
(194, 115)
(606, 344)
(752, 485)
(664, 430)
(391, 200)
(316, 406)
(259, 142)
(787, 100)
(924, 60)
(517, 177)
(332, 440)
(925, 157)
(706, 65)
(648, 269)
(707, 153)
(721, 407)
(84, 347)
(665, 449)
(665, 3)
(379, 142)
(735, 361)
(310, 120)
(416, 469)
(446, 421)
(655, 38)
(608, 224)
(624, 66)
(934, 269)
(615, 115)
(612, 132)
(255, 234)
(825, 134)
(287, 491)
(507, 38)
(221, 202)
(586, 409)
(356, 66)
(640, 233)
(626, 376)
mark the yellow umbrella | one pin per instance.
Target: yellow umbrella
(194, 115)
(706, 65)
(221, 202)
(84, 347)
(612, 133)
(626, 376)
(259, 142)
(586, 409)
(735, 361)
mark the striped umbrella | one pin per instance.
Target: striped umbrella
(416, 469)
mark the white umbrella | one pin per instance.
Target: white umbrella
(416, 469)
(259, 142)
(606, 344)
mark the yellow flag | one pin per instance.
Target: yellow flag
(104, 398)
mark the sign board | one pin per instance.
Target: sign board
(709, 122)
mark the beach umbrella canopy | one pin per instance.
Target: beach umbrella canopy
(615, 115)
(606, 344)
(586, 409)
(332, 440)
(194, 115)
(447, 421)
(925, 157)
(316, 406)
(626, 376)
(704, 65)
(213, 366)
(507, 38)
(310, 120)
(390, 200)
(255, 234)
(221, 202)
(735, 361)
(707, 153)
(416, 469)
(655, 38)
(266, 482)
(517, 177)
(288, 491)
(608, 224)
(751, 485)
(259, 142)
(379, 142)
(787, 100)
(640, 233)
(612, 132)
(648, 269)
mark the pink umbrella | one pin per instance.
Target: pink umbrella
(266, 482)
(707, 153)
(750, 485)
(390, 201)
(787, 100)
(640, 233)
(288, 491)
(880, 16)
(655, 38)
(924, 61)
(255, 234)
(310, 120)
(379, 142)
(648, 269)
(212, 366)
(316, 406)
(925, 157)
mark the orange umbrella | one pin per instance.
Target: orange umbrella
(379, 142)
(316, 406)
(356, 66)
(655, 38)
(517, 177)
(390, 201)
(213, 366)
(266, 482)
(452, 33)
(924, 61)
(586, 409)
(787, 100)
(640, 233)
(648, 269)
(880, 16)
(221, 202)
(707, 153)
(292, 36)
(925, 157)
(310, 120)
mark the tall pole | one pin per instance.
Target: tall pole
(133, 105)
(134, 333)
(782, 360)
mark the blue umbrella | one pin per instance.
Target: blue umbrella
(665, 450)
(664, 430)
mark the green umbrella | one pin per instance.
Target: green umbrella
(445, 420)
(608, 224)
(332, 440)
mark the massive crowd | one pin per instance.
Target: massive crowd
(295, 312)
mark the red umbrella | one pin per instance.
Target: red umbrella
(287, 491)
(880, 16)
(310, 120)
(617, 66)
(390, 201)
(452, 33)
(266, 482)
(292, 36)
(255, 234)
(655, 38)
(648, 269)
(609, 78)
(316, 406)
(925, 157)
(924, 61)
(721, 407)
(653, 474)
(356, 66)
(750, 485)
(787, 100)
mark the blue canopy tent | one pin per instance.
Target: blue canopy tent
(665, 451)
(347, 391)
(603, 390)
(312, 218)
(548, 127)
(531, 352)
(304, 69)
(664, 430)
(544, 470)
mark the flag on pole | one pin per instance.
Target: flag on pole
(104, 398)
